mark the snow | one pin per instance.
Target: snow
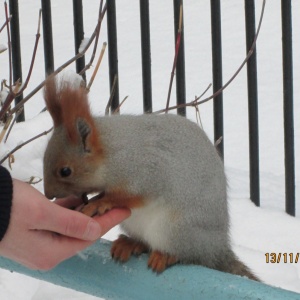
(254, 231)
(2, 48)
(83, 44)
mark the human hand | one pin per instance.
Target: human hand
(41, 234)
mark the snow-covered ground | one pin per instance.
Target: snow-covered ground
(254, 231)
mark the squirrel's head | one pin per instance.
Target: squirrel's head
(74, 152)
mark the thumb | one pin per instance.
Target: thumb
(77, 225)
(69, 223)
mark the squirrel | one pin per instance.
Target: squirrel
(162, 167)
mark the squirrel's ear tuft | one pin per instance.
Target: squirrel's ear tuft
(84, 131)
(69, 107)
(52, 100)
(88, 136)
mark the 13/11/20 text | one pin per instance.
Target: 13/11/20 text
(276, 258)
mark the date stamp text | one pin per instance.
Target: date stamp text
(282, 257)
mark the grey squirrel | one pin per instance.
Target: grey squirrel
(162, 167)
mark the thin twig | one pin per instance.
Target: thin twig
(12, 95)
(198, 116)
(205, 91)
(33, 55)
(34, 180)
(218, 141)
(178, 40)
(11, 160)
(15, 91)
(5, 24)
(9, 46)
(118, 108)
(58, 70)
(97, 66)
(100, 17)
(197, 101)
(5, 127)
(23, 144)
(113, 89)
(13, 122)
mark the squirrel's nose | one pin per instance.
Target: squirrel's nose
(48, 193)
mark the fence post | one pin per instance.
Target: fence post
(217, 73)
(16, 50)
(146, 55)
(47, 37)
(78, 34)
(180, 66)
(113, 51)
(287, 60)
(252, 104)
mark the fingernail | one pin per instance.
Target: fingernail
(92, 232)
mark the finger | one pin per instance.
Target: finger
(77, 225)
(68, 202)
(68, 247)
(68, 223)
(112, 218)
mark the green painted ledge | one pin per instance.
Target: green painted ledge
(94, 272)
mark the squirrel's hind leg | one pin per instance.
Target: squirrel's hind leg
(124, 247)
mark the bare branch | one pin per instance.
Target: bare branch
(97, 66)
(178, 40)
(11, 160)
(12, 94)
(113, 89)
(9, 46)
(13, 122)
(58, 70)
(100, 17)
(118, 108)
(5, 24)
(197, 101)
(23, 144)
(33, 55)
(5, 127)
(34, 180)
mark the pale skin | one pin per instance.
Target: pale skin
(41, 233)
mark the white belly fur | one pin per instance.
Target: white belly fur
(150, 224)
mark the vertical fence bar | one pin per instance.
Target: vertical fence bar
(47, 36)
(287, 59)
(16, 50)
(180, 66)
(146, 55)
(217, 73)
(78, 33)
(113, 51)
(252, 104)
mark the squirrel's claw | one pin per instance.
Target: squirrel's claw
(96, 205)
(124, 247)
(159, 261)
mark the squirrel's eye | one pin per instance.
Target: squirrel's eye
(65, 172)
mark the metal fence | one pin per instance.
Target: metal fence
(250, 25)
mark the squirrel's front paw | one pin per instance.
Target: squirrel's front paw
(159, 261)
(96, 206)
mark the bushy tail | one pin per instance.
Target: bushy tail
(231, 264)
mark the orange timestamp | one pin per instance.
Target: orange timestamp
(284, 257)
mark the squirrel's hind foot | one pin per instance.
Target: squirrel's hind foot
(159, 261)
(124, 247)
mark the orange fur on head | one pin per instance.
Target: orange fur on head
(52, 101)
(66, 106)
